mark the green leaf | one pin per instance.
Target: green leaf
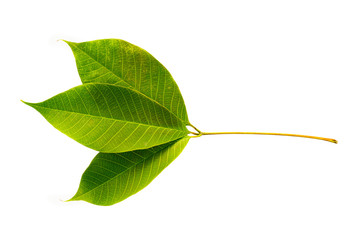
(118, 62)
(111, 118)
(113, 177)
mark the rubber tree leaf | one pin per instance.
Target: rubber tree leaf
(113, 177)
(118, 62)
(111, 118)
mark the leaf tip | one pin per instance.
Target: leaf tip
(63, 40)
(27, 103)
(71, 199)
(33, 105)
(67, 42)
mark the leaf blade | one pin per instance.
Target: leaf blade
(109, 118)
(113, 177)
(118, 62)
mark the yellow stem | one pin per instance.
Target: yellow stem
(276, 134)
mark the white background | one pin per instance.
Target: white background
(274, 66)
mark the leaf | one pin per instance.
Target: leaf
(113, 177)
(111, 118)
(118, 62)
